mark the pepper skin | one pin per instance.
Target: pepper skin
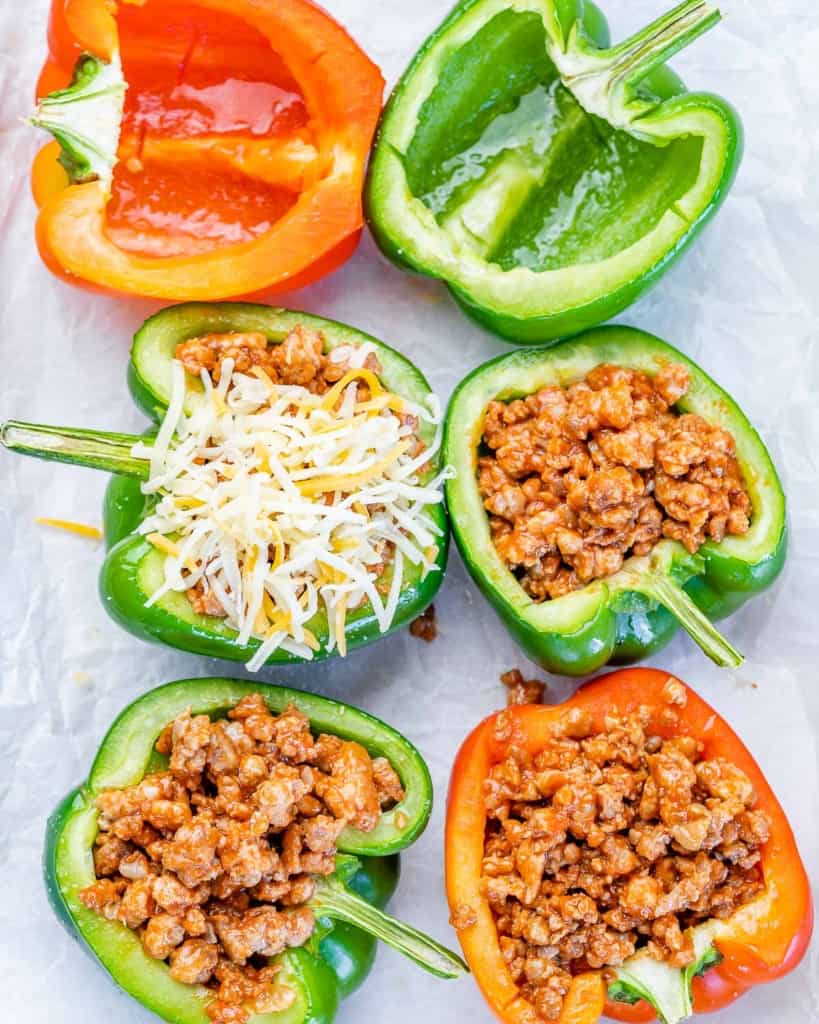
(132, 566)
(320, 976)
(233, 164)
(763, 940)
(547, 178)
(627, 616)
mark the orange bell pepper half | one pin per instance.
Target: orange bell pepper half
(764, 939)
(207, 149)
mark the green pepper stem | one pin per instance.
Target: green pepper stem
(604, 81)
(667, 989)
(93, 448)
(659, 41)
(86, 118)
(335, 901)
(663, 987)
(694, 621)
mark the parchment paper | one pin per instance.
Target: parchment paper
(744, 303)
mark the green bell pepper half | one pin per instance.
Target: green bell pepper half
(133, 568)
(547, 177)
(339, 956)
(629, 615)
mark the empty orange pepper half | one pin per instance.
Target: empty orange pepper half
(764, 939)
(205, 149)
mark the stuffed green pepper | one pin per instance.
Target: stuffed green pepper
(287, 505)
(228, 855)
(606, 492)
(546, 176)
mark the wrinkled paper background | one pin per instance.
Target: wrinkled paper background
(744, 302)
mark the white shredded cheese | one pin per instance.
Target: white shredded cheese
(282, 503)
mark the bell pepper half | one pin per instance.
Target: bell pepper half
(133, 568)
(763, 940)
(347, 905)
(547, 177)
(626, 616)
(204, 149)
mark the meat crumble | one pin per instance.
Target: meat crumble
(299, 359)
(212, 862)
(609, 841)
(425, 627)
(578, 479)
(520, 690)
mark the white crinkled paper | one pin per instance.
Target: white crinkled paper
(744, 302)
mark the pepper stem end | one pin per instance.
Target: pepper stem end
(333, 900)
(667, 989)
(93, 448)
(659, 41)
(86, 119)
(605, 82)
(693, 620)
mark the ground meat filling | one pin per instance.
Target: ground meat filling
(577, 479)
(609, 841)
(299, 359)
(212, 862)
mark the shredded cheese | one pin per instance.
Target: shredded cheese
(285, 507)
(81, 529)
(337, 390)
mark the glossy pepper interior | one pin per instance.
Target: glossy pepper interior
(322, 973)
(760, 942)
(133, 568)
(626, 616)
(547, 177)
(240, 159)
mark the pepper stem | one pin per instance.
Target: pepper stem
(604, 81)
(86, 119)
(659, 41)
(698, 626)
(666, 989)
(93, 448)
(333, 900)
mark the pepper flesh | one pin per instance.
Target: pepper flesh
(626, 616)
(545, 176)
(241, 149)
(133, 568)
(763, 940)
(321, 973)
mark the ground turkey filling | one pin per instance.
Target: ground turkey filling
(299, 360)
(212, 861)
(605, 842)
(577, 479)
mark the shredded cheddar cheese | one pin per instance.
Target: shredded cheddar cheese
(290, 507)
(81, 529)
(337, 390)
(353, 481)
(163, 544)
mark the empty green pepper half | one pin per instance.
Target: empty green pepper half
(545, 176)
(346, 904)
(133, 568)
(632, 613)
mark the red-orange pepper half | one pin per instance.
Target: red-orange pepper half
(764, 939)
(205, 149)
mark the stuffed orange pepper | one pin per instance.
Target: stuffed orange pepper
(620, 854)
(204, 149)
